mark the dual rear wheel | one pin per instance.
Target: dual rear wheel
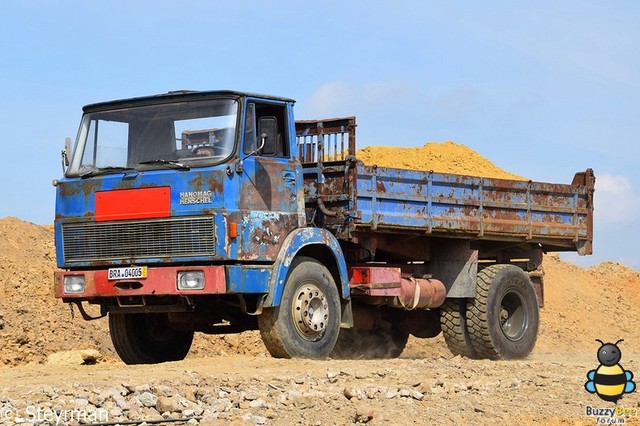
(501, 322)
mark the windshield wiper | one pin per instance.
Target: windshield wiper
(169, 163)
(105, 170)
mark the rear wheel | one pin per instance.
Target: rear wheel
(504, 317)
(147, 338)
(307, 322)
(453, 322)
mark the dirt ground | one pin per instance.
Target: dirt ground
(232, 379)
(243, 389)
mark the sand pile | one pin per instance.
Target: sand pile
(602, 302)
(33, 323)
(447, 157)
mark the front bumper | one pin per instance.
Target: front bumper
(160, 281)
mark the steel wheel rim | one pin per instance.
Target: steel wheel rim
(514, 318)
(310, 312)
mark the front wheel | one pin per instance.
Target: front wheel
(147, 338)
(307, 322)
(503, 319)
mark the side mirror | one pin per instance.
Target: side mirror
(268, 131)
(67, 151)
(65, 154)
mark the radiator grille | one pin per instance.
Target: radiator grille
(175, 237)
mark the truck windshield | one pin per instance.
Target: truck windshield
(177, 135)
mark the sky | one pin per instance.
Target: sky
(544, 89)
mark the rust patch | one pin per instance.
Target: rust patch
(264, 237)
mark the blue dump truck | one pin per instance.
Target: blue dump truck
(217, 212)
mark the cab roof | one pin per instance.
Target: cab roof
(177, 95)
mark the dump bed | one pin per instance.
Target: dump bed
(348, 197)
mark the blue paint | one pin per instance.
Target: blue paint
(247, 279)
(449, 203)
(294, 242)
(75, 203)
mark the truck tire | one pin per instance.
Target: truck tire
(504, 317)
(377, 344)
(147, 338)
(453, 322)
(307, 322)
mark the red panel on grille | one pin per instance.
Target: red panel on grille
(133, 204)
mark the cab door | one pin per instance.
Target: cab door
(270, 181)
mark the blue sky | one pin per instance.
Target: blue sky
(544, 89)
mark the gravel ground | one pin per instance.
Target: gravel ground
(546, 389)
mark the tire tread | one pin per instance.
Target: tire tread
(454, 328)
(278, 335)
(478, 321)
(477, 314)
(125, 332)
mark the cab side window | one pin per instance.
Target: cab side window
(267, 116)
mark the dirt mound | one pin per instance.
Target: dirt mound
(32, 323)
(581, 305)
(446, 157)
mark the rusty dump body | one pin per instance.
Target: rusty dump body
(360, 201)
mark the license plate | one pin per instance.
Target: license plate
(131, 272)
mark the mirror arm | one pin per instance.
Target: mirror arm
(263, 140)
(64, 160)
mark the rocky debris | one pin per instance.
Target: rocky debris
(364, 414)
(75, 357)
(403, 391)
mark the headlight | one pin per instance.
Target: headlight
(191, 280)
(74, 284)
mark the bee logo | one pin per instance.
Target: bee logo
(609, 381)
